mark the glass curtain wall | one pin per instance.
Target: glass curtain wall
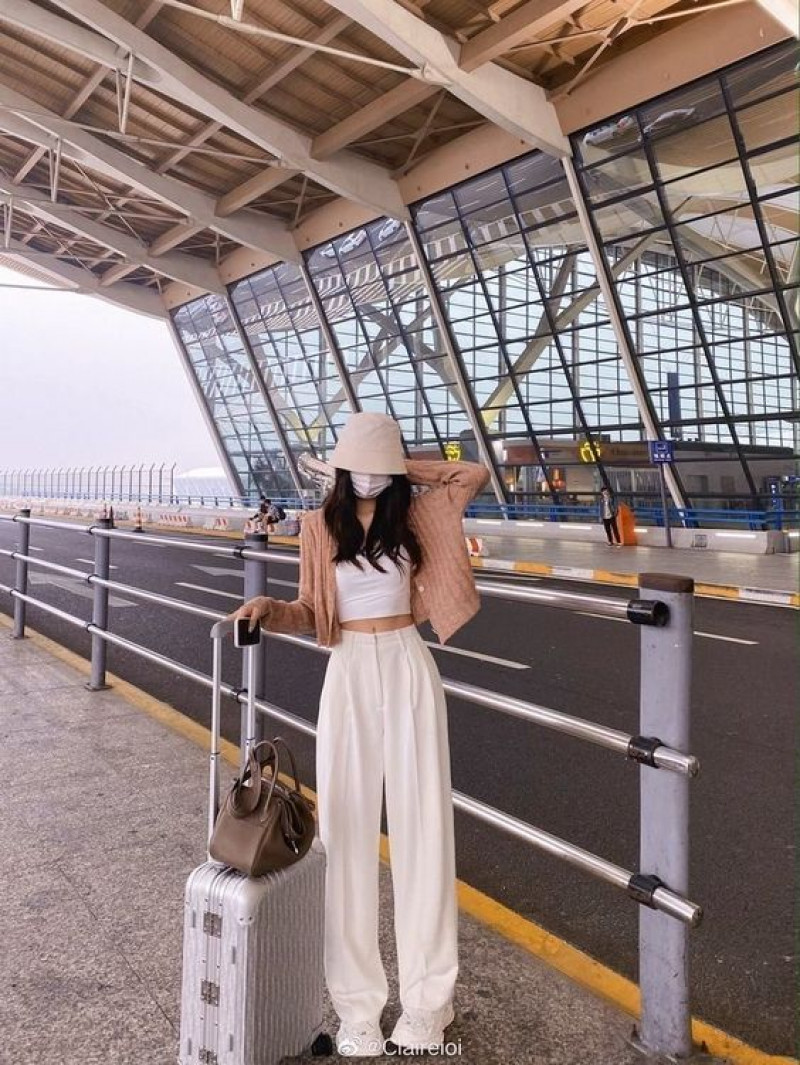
(281, 324)
(223, 371)
(511, 269)
(709, 174)
(374, 299)
(693, 201)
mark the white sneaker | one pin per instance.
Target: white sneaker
(360, 1040)
(421, 1029)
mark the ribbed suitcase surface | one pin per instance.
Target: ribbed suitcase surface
(253, 963)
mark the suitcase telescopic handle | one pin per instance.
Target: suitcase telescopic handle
(218, 630)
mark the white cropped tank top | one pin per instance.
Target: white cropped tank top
(368, 593)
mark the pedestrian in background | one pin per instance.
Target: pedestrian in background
(608, 514)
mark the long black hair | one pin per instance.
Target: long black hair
(389, 531)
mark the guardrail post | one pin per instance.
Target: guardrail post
(102, 568)
(21, 575)
(255, 583)
(666, 668)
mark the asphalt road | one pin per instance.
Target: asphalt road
(744, 702)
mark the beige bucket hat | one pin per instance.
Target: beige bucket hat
(369, 443)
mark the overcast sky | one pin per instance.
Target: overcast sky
(85, 383)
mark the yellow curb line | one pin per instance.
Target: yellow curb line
(573, 963)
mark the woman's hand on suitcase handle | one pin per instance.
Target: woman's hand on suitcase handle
(256, 610)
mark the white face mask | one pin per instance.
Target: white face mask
(369, 485)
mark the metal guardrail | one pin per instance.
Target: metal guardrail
(730, 516)
(663, 617)
(645, 513)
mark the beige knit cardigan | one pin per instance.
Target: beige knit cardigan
(442, 589)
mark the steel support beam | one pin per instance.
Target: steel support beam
(511, 102)
(291, 464)
(186, 268)
(330, 340)
(378, 112)
(699, 45)
(525, 24)
(132, 297)
(205, 410)
(626, 352)
(37, 125)
(563, 319)
(166, 73)
(454, 356)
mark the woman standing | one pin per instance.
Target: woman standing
(375, 562)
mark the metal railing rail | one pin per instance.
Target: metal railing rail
(612, 739)
(737, 513)
(662, 893)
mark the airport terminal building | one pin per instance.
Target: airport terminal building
(578, 235)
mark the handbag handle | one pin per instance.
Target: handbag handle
(245, 800)
(288, 749)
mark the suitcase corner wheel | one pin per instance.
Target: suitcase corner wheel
(322, 1046)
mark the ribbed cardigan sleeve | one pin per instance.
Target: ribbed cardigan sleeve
(298, 616)
(461, 481)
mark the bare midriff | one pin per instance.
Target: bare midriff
(396, 621)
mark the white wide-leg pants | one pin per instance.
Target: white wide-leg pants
(383, 712)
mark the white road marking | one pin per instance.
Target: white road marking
(211, 591)
(728, 639)
(90, 562)
(476, 654)
(36, 549)
(697, 632)
(76, 586)
(219, 571)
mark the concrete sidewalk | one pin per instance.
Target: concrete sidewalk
(770, 579)
(104, 817)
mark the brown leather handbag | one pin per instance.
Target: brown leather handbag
(263, 825)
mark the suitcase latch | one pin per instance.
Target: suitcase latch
(209, 993)
(212, 924)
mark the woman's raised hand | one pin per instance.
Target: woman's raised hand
(256, 610)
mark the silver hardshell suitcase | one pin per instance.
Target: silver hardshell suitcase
(253, 982)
